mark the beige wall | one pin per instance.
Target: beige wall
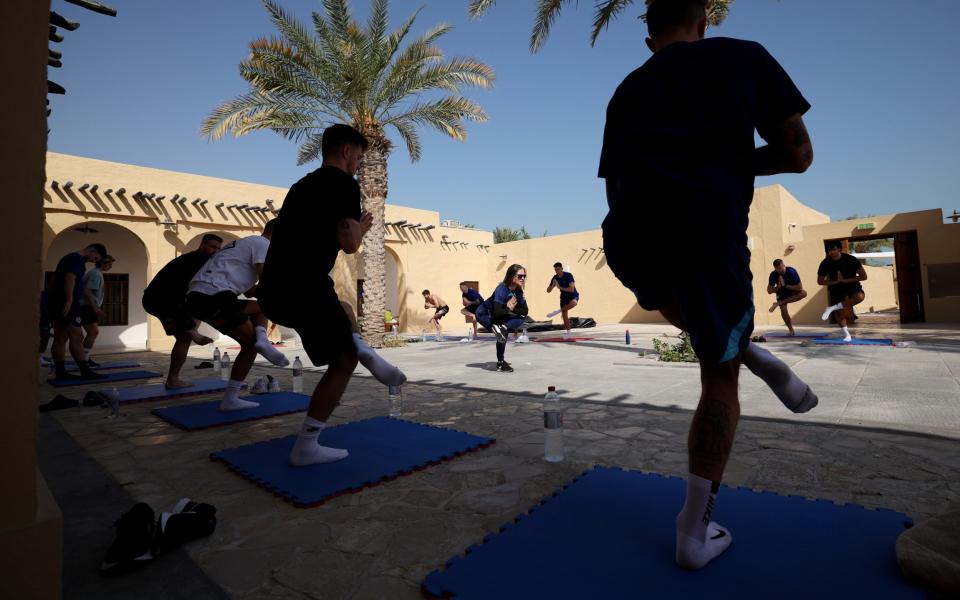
(30, 521)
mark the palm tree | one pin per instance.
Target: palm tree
(344, 72)
(605, 11)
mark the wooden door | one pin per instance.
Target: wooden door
(909, 278)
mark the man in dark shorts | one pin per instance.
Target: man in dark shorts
(569, 296)
(166, 299)
(321, 216)
(440, 308)
(785, 282)
(63, 305)
(842, 274)
(471, 299)
(90, 303)
(213, 297)
(678, 155)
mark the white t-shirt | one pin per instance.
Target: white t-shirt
(233, 268)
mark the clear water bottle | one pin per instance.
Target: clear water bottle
(216, 357)
(114, 398)
(552, 426)
(225, 366)
(297, 376)
(470, 334)
(423, 335)
(395, 400)
(439, 337)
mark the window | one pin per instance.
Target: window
(116, 299)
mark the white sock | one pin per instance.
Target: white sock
(265, 349)
(385, 373)
(846, 334)
(790, 389)
(306, 450)
(698, 539)
(86, 353)
(231, 398)
(826, 314)
(553, 313)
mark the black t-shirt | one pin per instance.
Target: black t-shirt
(683, 123)
(847, 266)
(71, 263)
(304, 244)
(171, 282)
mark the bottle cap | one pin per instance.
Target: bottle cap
(551, 389)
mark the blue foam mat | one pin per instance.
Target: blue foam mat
(797, 336)
(110, 378)
(854, 342)
(208, 414)
(610, 534)
(107, 365)
(380, 448)
(158, 391)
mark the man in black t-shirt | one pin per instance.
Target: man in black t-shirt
(678, 153)
(842, 274)
(165, 299)
(321, 216)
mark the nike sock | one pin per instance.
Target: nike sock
(306, 450)
(553, 313)
(231, 398)
(265, 349)
(790, 389)
(86, 373)
(846, 334)
(385, 373)
(826, 314)
(698, 539)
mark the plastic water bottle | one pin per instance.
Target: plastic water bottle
(628, 337)
(216, 357)
(395, 400)
(469, 334)
(552, 426)
(225, 366)
(114, 398)
(423, 335)
(297, 376)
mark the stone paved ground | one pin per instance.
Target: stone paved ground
(886, 437)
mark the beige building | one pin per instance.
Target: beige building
(146, 217)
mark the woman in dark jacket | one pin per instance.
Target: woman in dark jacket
(505, 311)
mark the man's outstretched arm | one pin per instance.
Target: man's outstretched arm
(788, 151)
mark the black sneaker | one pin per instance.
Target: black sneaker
(504, 367)
(135, 536)
(501, 332)
(92, 363)
(188, 521)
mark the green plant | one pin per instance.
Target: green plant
(682, 351)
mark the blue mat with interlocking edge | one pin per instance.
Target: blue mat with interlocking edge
(610, 534)
(158, 391)
(110, 378)
(208, 414)
(381, 449)
(853, 342)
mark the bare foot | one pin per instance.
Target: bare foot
(177, 384)
(774, 306)
(199, 339)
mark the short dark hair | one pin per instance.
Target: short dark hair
(511, 271)
(336, 136)
(105, 259)
(556, 264)
(100, 248)
(466, 283)
(664, 15)
(425, 292)
(211, 236)
(834, 244)
(268, 227)
(778, 262)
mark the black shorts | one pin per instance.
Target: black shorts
(472, 309)
(223, 311)
(325, 330)
(841, 291)
(441, 312)
(172, 314)
(712, 288)
(45, 323)
(72, 319)
(88, 316)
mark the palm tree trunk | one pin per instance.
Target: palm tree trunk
(372, 176)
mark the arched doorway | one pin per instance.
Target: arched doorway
(126, 326)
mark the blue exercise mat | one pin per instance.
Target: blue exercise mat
(110, 378)
(800, 335)
(208, 414)
(380, 448)
(158, 391)
(610, 534)
(853, 342)
(116, 364)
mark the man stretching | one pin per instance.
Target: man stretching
(440, 308)
(784, 281)
(679, 141)
(166, 299)
(90, 303)
(63, 304)
(321, 216)
(842, 274)
(212, 297)
(569, 296)
(471, 301)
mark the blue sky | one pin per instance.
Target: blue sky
(881, 76)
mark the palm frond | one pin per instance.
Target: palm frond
(604, 14)
(479, 7)
(408, 133)
(310, 149)
(257, 110)
(445, 115)
(547, 11)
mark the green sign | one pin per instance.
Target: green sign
(863, 226)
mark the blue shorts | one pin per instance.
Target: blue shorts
(566, 298)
